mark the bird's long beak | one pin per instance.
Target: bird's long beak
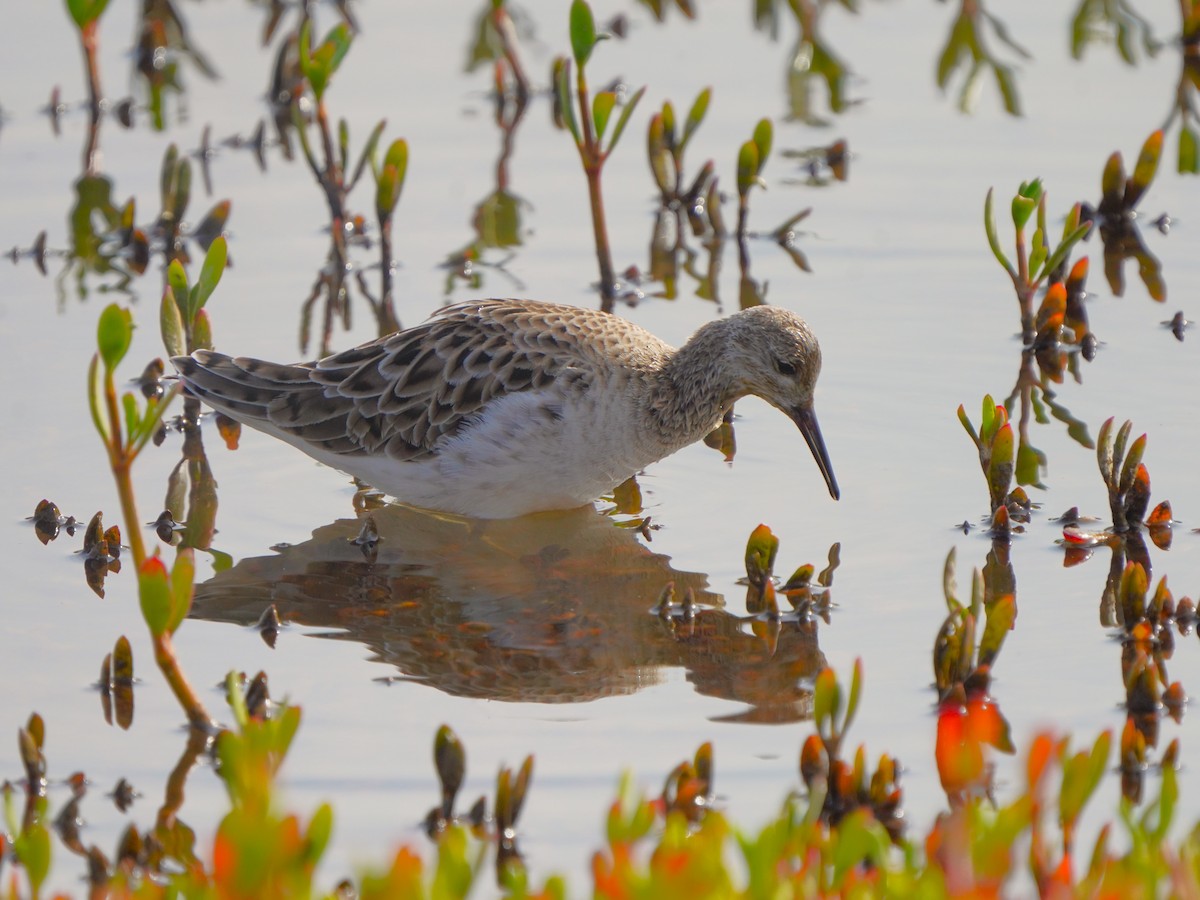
(806, 420)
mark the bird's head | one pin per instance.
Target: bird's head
(778, 359)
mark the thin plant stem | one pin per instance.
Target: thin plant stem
(385, 309)
(88, 35)
(121, 458)
(120, 461)
(331, 177)
(1024, 289)
(603, 252)
(593, 165)
(88, 41)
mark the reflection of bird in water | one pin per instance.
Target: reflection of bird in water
(555, 607)
(505, 407)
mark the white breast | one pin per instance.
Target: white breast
(527, 452)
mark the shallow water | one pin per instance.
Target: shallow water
(914, 316)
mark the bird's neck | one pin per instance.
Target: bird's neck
(695, 387)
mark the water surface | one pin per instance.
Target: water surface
(543, 643)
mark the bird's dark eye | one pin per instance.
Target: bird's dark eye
(784, 368)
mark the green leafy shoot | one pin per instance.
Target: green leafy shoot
(86, 12)
(602, 107)
(114, 334)
(319, 65)
(390, 178)
(695, 116)
(623, 119)
(565, 106)
(583, 32)
(367, 157)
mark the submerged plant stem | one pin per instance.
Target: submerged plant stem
(168, 663)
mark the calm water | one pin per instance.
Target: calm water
(914, 316)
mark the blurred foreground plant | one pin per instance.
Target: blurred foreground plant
(969, 720)
(259, 851)
(450, 761)
(839, 790)
(838, 841)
